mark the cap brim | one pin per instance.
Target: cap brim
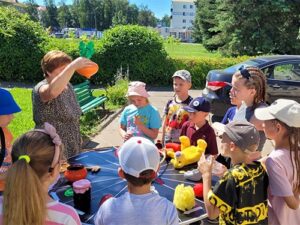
(10, 110)
(219, 128)
(189, 109)
(263, 114)
(182, 77)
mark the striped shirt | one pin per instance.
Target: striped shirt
(57, 214)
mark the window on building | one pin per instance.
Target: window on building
(191, 14)
(183, 27)
(191, 6)
(183, 13)
(191, 21)
(184, 21)
(184, 6)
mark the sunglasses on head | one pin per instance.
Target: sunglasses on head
(244, 72)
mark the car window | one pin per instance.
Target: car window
(289, 72)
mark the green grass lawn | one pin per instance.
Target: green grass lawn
(23, 120)
(188, 50)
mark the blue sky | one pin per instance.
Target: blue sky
(159, 7)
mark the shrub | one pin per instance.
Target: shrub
(138, 49)
(116, 94)
(199, 67)
(21, 47)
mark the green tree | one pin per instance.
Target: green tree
(65, 17)
(31, 9)
(249, 28)
(205, 26)
(49, 17)
(165, 21)
(255, 27)
(132, 14)
(146, 17)
(21, 49)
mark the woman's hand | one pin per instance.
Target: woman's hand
(81, 62)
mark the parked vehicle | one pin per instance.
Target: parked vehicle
(283, 81)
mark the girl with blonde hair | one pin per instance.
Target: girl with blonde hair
(281, 123)
(36, 163)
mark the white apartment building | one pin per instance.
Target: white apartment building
(183, 14)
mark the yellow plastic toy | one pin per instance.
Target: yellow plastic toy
(184, 197)
(189, 154)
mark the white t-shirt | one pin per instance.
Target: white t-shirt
(281, 184)
(131, 209)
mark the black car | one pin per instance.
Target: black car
(283, 80)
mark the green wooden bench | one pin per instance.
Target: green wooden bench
(85, 97)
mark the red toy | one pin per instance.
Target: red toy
(75, 172)
(198, 190)
(174, 146)
(104, 198)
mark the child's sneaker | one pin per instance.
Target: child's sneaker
(193, 175)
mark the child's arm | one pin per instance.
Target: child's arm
(163, 130)
(150, 132)
(293, 202)
(279, 183)
(124, 133)
(205, 167)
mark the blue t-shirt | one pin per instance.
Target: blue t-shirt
(148, 114)
(228, 117)
(131, 209)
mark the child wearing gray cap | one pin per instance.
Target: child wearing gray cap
(174, 114)
(240, 196)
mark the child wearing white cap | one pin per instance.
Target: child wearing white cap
(139, 162)
(281, 123)
(139, 118)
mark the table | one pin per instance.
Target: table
(107, 181)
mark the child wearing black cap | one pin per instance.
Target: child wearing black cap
(240, 196)
(8, 107)
(197, 127)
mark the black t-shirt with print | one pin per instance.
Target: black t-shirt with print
(241, 195)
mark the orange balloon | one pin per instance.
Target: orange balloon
(88, 71)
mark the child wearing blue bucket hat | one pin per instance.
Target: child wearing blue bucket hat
(8, 107)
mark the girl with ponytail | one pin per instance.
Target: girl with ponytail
(36, 163)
